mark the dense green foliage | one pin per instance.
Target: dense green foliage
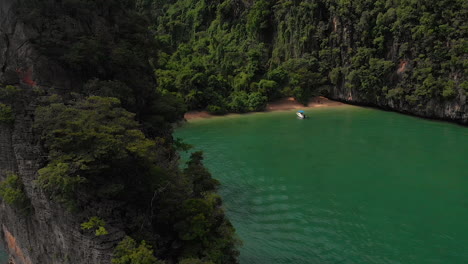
(138, 65)
(97, 224)
(12, 192)
(6, 114)
(109, 50)
(128, 252)
(97, 151)
(198, 220)
(216, 54)
(9, 92)
(109, 154)
(7, 98)
(194, 261)
(89, 138)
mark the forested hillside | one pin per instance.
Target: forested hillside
(89, 171)
(89, 91)
(234, 55)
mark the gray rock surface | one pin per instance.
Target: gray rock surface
(453, 110)
(50, 234)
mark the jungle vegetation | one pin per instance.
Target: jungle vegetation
(109, 156)
(139, 65)
(233, 55)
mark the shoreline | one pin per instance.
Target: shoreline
(283, 104)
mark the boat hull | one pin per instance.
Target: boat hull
(300, 115)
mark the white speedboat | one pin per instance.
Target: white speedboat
(300, 114)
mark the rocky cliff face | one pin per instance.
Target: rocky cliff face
(349, 36)
(406, 56)
(48, 234)
(20, 63)
(77, 55)
(454, 109)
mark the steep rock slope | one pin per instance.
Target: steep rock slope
(87, 58)
(46, 235)
(49, 234)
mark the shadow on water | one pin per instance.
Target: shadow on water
(3, 255)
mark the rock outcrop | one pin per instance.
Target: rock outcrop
(453, 110)
(48, 234)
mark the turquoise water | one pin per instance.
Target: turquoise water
(348, 185)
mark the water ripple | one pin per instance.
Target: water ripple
(351, 185)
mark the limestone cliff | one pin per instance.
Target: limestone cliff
(95, 58)
(48, 234)
(350, 36)
(402, 55)
(454, 109)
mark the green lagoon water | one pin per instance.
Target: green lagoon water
(348, 185)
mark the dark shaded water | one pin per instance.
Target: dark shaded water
(348, 185)
(3, 255)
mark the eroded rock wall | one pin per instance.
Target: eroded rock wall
(454, 109)
(48, 233)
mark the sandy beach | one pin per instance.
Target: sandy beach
(281, 105)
